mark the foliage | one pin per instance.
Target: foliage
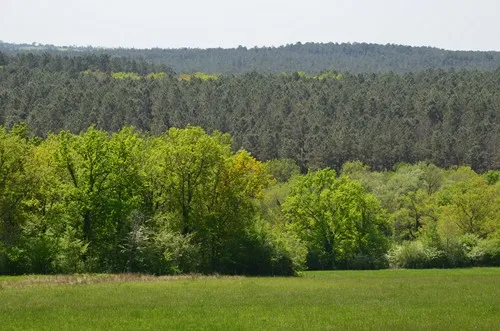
(485, 253)
(198, 75)
(184, 201)
(69, 255)
(161, 252)
(156, 75)
(125, 75)
(410, 254)
(82, 191)
(204, 190)
(337, 219)
(314, 58)
(444, 117)
(470, 206)
(282, 169)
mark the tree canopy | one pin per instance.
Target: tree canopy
(312, 58)
(444, 117)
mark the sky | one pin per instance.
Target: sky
(449, 24)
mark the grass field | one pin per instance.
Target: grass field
(460, 299)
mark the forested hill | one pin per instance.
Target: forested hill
(309, 57)
(445, 117)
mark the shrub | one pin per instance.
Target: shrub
(178, 254)
(39, 252)
(454, 255)
(3, 259)
(419, 254)
(486, 253)
(288, 253)
(410, 254)
(161, 252)
(267, 251)
(366, 262)
(34, 251)
(70, 253)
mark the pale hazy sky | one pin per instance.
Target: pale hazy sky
(450, 24)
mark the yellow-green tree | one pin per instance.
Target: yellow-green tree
(469, 205)
(200, 188)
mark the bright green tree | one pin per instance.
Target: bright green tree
(16, 181)
(342, 225)
(100, 182)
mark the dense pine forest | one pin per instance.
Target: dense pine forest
(123, 163)
(309, 57)
(444, 117)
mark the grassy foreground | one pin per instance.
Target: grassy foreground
(460, 299)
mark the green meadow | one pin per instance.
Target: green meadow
(458, 299)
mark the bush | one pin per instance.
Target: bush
(33, 252)
(418, 254)
(486, 253)
(39, 252)
(267, 251)
(3, 259)
(161, 252)
(288, 253)
(468, 250)
(178, 254)
(70, 253)
(410, 254)
(367, 262)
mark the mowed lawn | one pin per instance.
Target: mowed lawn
(460, 299)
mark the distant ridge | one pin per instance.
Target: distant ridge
(308, 57)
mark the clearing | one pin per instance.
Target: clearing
(454, 299)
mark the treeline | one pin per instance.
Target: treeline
(77, 64)
(440, 218)
(184, 202)
(415, 216)
(443, 117)
(99, 202)
(309, 57)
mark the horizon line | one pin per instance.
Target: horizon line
(299, 43)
